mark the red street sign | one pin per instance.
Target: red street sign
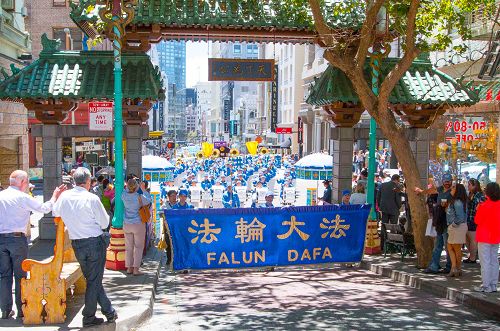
(284, 130)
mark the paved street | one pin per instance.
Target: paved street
(299, 299)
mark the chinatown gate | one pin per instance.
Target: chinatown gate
(134, 25)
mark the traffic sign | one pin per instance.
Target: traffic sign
(100, 116)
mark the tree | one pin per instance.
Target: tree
(423, 26)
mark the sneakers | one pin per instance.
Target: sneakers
(95, 321)
(469, 261)
(430, 271)
(7, 314)
(482, 289)
(113, 317)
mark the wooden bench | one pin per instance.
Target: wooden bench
(395, 236)
(43, 292)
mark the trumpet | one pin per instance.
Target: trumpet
(234, 152)
(215, 153)
(263, 151)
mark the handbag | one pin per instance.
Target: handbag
(430, 230)
(144, 212)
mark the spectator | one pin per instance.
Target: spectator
(98, 189)
(389, 200)
(359, 195)
(327, 194)
(106, 201)
(439, 222)
(85, 218)
(15, 208)
(456, 219)
(475, 197)
(346, 197)
(488, 237)
(133, 227)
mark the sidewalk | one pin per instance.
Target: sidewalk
(459, 289)
(131, 296)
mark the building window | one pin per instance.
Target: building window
(252, 49)
(72, 43)
(237, 49)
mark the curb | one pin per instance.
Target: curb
(467, 298)
(144, 307)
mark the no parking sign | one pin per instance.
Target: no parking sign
(100, 116)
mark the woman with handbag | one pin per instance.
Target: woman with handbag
(135, 214)
(456, 218)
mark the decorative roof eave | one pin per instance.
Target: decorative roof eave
(221, 20)
(422, 84)
(82, 76)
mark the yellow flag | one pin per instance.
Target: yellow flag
(252, 147)
(207, 149)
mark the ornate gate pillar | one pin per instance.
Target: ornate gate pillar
(134, 135)
(52, 174)
(342, 141)
(419, 139)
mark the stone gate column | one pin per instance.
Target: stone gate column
(420, 145)
(342, 141)
(52, 174)
(134, 134)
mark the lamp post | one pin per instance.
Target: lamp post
(121, 13)
(378, 53)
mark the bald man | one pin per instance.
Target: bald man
(15, 208)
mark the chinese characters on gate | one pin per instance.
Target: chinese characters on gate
(207, 232)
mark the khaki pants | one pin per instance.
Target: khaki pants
(135, 235)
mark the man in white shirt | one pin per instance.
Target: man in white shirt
(85, 218)
(15, 208)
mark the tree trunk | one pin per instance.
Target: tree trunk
(401, 147)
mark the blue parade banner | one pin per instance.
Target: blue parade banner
(250, 237)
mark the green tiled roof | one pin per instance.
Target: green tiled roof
(262, 15)
(86, 75)
(421, 84)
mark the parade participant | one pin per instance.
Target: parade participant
(346, 197)
(327, 194)
(15, 208)
(206, 183)
(133, 227)
(269, 200)
(169, 204)
(183, 204)
(98, 189)
(488, 238)
(230, 199)
(85, 218)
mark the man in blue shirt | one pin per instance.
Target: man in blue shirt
(230, 199)
(183, 204)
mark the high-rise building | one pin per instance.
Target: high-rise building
(172, 61)
(203, 105)
(290, 61)
(239, 98)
